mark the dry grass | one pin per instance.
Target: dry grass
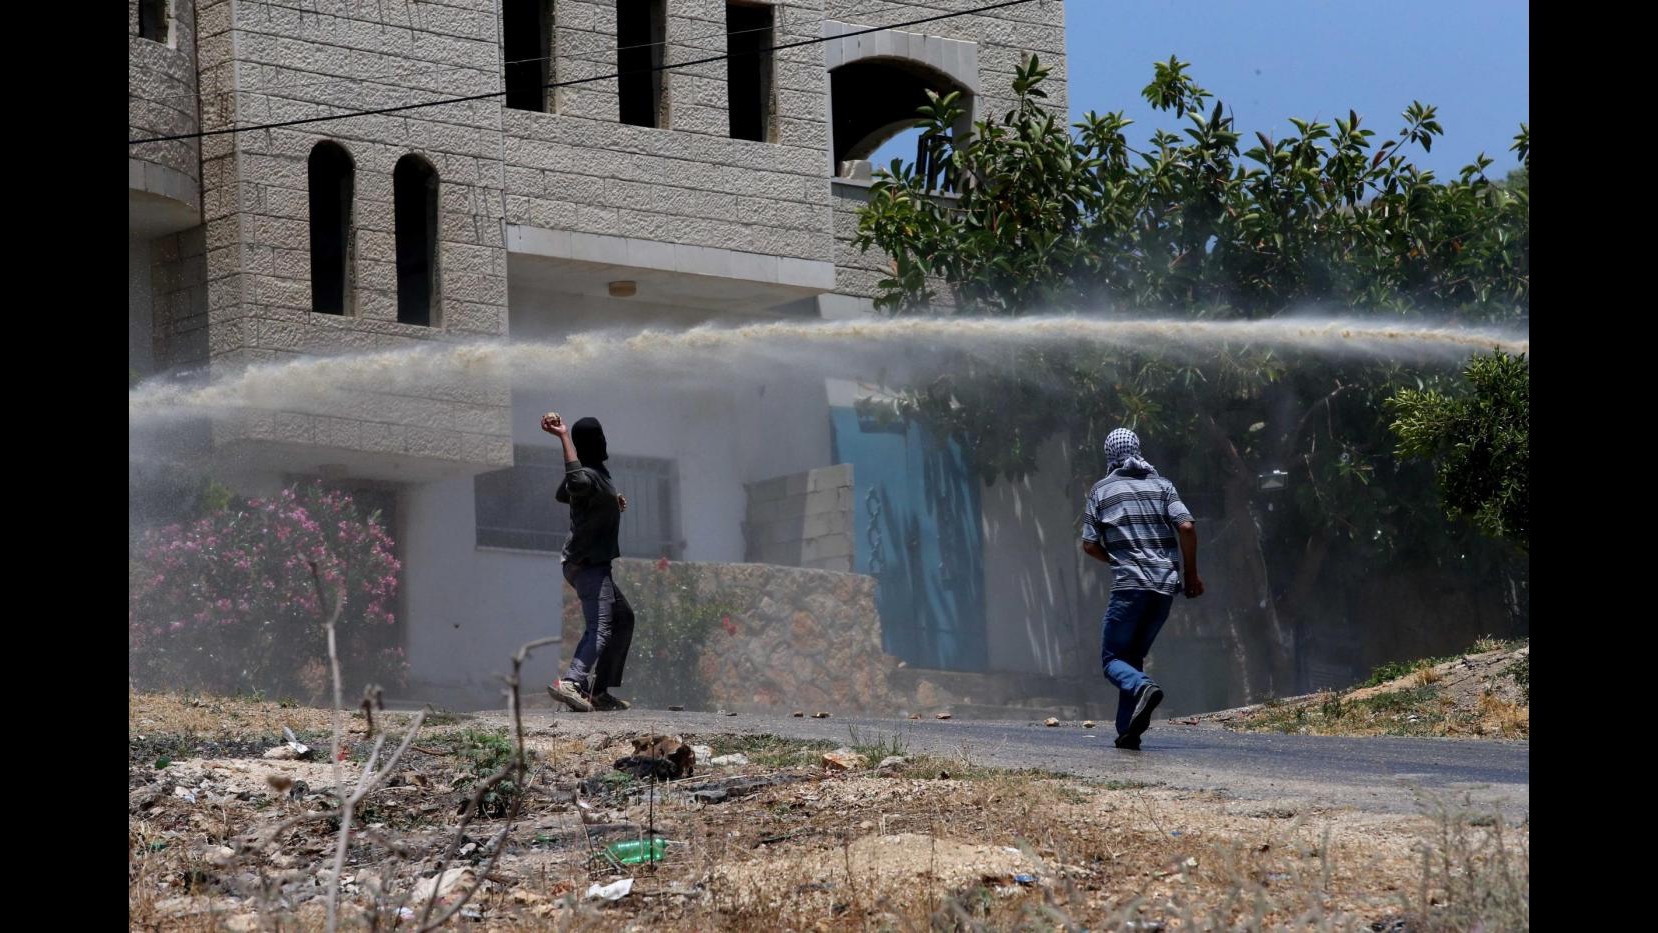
(1486, 694)
(909, 850)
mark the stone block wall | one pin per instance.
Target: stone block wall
(162, 101)
(797, 639)
(240, 293)
(579, 169)
(803, 520)
(264, 63)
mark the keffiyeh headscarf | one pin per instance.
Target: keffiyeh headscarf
(1122, 451)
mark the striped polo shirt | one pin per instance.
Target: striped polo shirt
(1133, 515)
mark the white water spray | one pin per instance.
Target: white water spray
(840, 349)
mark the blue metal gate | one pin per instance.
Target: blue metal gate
(917, 520)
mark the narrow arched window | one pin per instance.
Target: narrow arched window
(415, 197)
(332, 185)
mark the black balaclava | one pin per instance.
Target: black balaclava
(588, 436)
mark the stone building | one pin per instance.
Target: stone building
(720, 191)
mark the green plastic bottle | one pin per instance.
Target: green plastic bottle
(637, 851)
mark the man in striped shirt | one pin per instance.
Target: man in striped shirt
(1134, 521)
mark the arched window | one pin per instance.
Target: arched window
(415, 206)
(331, 178)
(874, 100)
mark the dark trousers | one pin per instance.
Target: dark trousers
(602, 652)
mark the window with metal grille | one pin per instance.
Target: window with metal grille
(516, 509)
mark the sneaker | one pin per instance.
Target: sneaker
(1145, 703)
(566, 692)
(1130, 742)
(605, 703)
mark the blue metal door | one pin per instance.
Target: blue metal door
(917, 521)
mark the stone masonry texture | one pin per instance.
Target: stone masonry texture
(236, 290)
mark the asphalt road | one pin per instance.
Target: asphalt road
(1389, 775)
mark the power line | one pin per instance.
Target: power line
(570, 83)
(428, 69)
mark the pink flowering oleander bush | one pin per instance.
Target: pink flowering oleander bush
(227, 602)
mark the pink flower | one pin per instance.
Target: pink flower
(662, 564)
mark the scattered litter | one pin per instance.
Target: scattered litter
(704, 752)
(614, 891)
(219, 855)
(676, 709)
(1191, 861)
(1088, 724)
(300, 749)
(1050, 722)
(637, 851)
(730, 713)
(441, 886)
(664, 757)
(1025, 879)
(736, 760)
(820, 715)
(185, 794)
(942, 716)
(799, 714)
(732, 788)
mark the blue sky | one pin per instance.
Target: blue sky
(1273, 59)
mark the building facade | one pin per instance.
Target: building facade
(720, 191)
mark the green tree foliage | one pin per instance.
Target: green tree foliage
(1480, 441)
(1028, 216)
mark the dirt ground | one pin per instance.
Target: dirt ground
(1483, 694)
(221, 837)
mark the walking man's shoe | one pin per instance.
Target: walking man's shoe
(566, 692)
(1130, 742)
(1145, 703)
(605, 703)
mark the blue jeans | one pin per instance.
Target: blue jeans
(603, 650)
(1132, 622)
